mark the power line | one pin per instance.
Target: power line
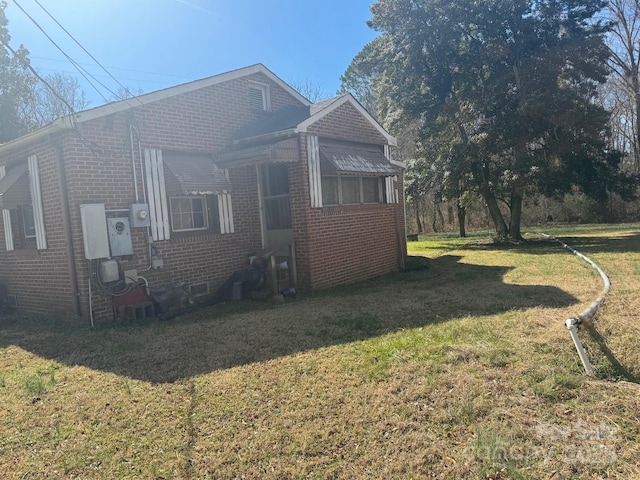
(183, 77)
(37, 75)
(82, 47)
(80, 69)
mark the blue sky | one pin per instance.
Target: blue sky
(153, 44)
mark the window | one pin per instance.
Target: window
(22, 210)
(275, 194)
(188, 194)
(28, 223)
(259, 98)
(350, 190)
(188, 213)
(370, 190)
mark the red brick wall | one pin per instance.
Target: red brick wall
(334, 244)
(343, 244)
(41, 279)
(99, 171)
(346, 123)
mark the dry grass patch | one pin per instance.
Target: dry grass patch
(460, 370)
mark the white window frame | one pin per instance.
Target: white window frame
(360, 194)
(265, 92)
(191, 198)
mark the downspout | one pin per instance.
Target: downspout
(587, 315)
(66, 219)
(144, 187)
(133, 162)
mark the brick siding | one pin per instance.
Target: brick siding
(334, 244)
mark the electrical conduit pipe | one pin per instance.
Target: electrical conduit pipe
(587, 315)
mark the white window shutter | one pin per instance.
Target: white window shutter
(225, 213)
(36, 201)
(8, 231)
(313, 161)
(158, 207)
(6, 219)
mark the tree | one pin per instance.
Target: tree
(16, 84)
(505, 89)
(624, 44)
(44, 106)
(309, 90)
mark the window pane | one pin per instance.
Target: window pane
(350, 190)
(329, 190)
(370, 190)
(278, 179)
(28, 221)
(188, 213)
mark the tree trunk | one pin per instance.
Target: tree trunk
(418, 221)
(462, 215)
(516, 214)
(496, 215)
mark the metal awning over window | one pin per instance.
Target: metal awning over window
(354, 160)
(194, 175)
(14, 187)
(283, 151)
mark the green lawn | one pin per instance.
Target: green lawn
(460, 367)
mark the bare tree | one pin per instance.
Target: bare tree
(624, 44)
(310, 90)
(44, 106)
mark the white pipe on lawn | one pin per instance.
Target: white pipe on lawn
(587, 315)
(572, 326)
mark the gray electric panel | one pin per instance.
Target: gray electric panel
(120, 236)
(139, 215)
(94, 231)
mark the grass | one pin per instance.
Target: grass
(460, 367)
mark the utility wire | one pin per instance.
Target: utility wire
(81, 70)
(84, 49)
(26, 64)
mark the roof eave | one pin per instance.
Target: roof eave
(63, 123)
(289, 132)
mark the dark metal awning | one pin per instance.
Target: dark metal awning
(282, 151)
(354, 160)
(196, 174)
(14, 187)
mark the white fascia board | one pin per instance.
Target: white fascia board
(145, 99)
(28, 139)
(129, 103)
(302, 127)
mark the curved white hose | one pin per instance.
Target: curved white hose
(588, 314)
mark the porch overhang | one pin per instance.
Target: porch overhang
(282, 151)
(14, 187)
(196, 174)
(354, 160)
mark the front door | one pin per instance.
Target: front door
(276, 212)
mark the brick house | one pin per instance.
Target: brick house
(180, 186)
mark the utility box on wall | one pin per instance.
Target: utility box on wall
(139, 215)
(120, 236)
(94, 231)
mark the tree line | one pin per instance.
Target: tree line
(506, 100)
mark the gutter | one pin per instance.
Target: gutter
(586, 317)
(26, 140)
(66, 219)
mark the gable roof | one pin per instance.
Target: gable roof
(298, 119)
(122, 105)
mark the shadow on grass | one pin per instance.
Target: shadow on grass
(233, 335)
(615, 370)
(585, 245)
